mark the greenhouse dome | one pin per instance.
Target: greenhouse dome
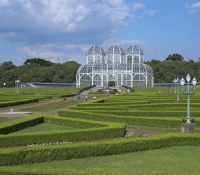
(114, 65)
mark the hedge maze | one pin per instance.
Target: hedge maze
(138, 108)
(100, 131)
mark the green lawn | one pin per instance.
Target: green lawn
(52, 90)
(45, 127)
(44, 107)
(2, 119)
(177, 159)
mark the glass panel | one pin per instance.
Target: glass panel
(136, 59)
(110, 77)
(129, 67)
(123, 59)
(136, 50)
(89, 69)
(110, 50)
(97, 59)
(103, 60)
(129, 59)
(105, 81)
(85, 80)
(97, 50)
(110, 68)
(97, 69)
(90, 60)
(117, 50)
(130, 50)
(139, 80)
(119, 79)
(141, 59)
(127, 80)
(90, 51)
(97, 80)
(116, 59)
(110, 59)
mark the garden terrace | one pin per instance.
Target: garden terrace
(92, 121)
(154, 109)
(86, 130)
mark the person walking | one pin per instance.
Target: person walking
(86, 98)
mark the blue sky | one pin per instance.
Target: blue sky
(63, 30)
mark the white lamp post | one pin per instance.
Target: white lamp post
(174, 81)
(17, 83)
(176, 84)
(188, 93)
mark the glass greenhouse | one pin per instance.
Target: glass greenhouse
(114, 65)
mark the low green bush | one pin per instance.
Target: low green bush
(164, 122)
(133, 113)
(105, 104)
(94, 130)
(19, 102)
(31, 155)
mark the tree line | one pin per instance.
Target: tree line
(38, 70)
(41, 70)
(173, 67)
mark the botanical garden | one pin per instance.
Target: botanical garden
(109, 135)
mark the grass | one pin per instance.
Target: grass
(154, 128)
(159, 129)
(175, 159)
(45, 127)
(53, 90)
(47, 107)
(2, 119)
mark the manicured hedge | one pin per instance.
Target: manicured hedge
(105, 104)
(16, 156)
(139, 106)
(18, 102)
(95, 130)
(146, 113)
(161, 122)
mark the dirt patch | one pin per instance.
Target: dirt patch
(145, 133)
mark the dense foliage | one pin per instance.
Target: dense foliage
(38, 70)
(166, 71)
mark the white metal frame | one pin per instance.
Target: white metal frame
(124, 68)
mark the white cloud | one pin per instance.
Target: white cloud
(150, 12)
(116, 3)
(138, 6)
(49, 18)
(4, 2)
(192, 11)
(64, 30)
(55, 53)
(195, 5)
(41, 51)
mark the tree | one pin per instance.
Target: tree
(37, 62)
(175, 57)
(7, 65)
